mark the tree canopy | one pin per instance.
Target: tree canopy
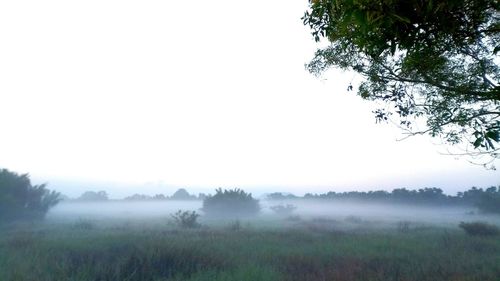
(435, 60)
(19, 199)
(94, 196)
(230, 203)
(182, 194)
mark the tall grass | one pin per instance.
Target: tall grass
(159, 254)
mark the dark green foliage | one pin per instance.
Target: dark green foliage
(479, 229)
(230, 203)
(432, 59)
(19, 199)
(283, 209)
(186, 219)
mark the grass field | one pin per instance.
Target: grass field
(312, 249)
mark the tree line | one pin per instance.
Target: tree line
(487, 199)
(180, 194)
(20, 199)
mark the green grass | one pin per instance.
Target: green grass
(160, 253)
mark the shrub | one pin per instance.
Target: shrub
(186, 219)
(479, 228)
(283, 209)
(230, 203)
(19, 199)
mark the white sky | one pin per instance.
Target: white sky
(194, 93)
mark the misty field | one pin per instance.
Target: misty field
(114, 241)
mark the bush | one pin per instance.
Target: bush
(479, 228)
(283, 209)
(230, 203)
(21, 200)
(186, 219)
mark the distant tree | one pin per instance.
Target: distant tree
(471, 196)
(182, 194)
(94, 196)
(202, 196)
(230, 203)
(431, 60)
(159, 197)
(280, 196)
(138, 197)
(431, 195)
(309, 196)
(489, 201)
(19, 199)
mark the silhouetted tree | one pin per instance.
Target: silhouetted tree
(436, 60)
(486, 200)
(230, 203)
(182, 194)
(489, 201)
(280, 196)
(159, 197)
(19, 199)
(94, 196)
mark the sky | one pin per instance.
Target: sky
(148, 96)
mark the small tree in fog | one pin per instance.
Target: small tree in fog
(19, 199)
(230, 203)
(186, 219)
(182, 194)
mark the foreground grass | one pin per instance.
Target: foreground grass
(159, 254)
